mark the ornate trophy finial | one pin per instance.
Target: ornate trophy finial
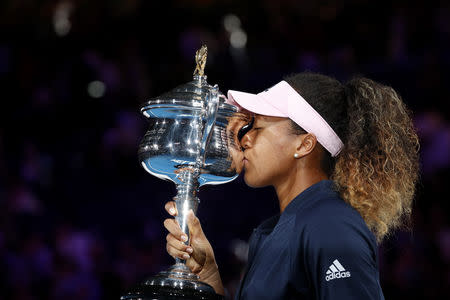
(200, 59)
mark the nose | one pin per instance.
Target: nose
(245, 142)
(246, 128)
(243, 136)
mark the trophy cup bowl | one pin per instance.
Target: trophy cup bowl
(192, 141)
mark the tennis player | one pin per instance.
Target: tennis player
(343, 159)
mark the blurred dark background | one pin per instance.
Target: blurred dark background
(80, 219)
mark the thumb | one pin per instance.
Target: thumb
(194, 224)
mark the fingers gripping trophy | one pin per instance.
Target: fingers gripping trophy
(192, 141)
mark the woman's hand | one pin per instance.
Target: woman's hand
(199, 255)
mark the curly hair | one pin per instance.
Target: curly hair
(377, 170)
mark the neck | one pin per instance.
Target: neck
(299, 180)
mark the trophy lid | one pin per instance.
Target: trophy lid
(190, 96)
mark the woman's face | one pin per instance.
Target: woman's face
(269, 149)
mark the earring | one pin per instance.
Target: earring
(296, 155)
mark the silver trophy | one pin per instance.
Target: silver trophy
(193, 140)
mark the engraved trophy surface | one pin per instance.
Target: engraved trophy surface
(191, 141)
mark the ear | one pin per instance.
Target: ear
(305, 144)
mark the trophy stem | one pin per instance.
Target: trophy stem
(186, 199)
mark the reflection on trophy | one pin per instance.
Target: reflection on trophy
(192, 141)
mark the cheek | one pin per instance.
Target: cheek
(269, 163)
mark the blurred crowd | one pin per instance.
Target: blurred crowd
(80, 219)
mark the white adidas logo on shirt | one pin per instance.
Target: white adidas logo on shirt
(336, 270)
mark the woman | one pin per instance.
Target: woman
(343, 159)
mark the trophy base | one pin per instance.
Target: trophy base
(176, 283)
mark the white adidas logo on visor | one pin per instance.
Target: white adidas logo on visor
(336, 270)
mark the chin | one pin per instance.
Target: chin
(253, 182)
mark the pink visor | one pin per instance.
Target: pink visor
(282, 100)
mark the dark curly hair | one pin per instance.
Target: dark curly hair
(377, 170)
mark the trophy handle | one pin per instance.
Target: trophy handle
(212, 104)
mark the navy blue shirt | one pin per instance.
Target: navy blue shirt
(318, 248)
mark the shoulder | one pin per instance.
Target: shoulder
(332, 215)
(335, 250)
(332, 228)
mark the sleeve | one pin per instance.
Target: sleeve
(341, 261)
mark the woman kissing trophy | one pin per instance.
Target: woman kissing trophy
(192, 141)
